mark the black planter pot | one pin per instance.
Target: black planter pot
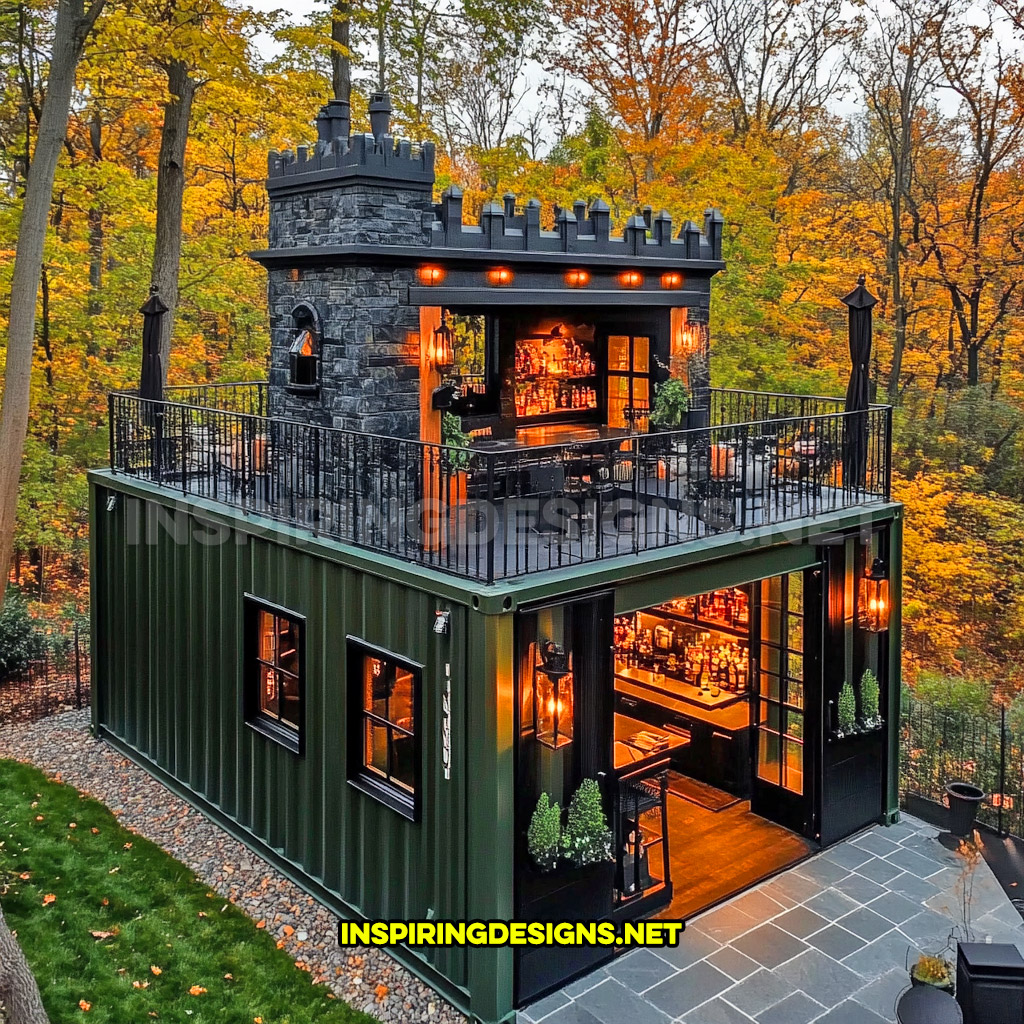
(567, 893)
(948, 987)
(964, 799)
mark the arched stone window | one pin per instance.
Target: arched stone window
(304, 352)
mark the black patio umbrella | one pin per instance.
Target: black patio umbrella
(855, 441)
(151, 385)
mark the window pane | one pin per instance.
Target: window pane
(289, 699)
(265, 632)
(375, 685)
(796, 592)
(641, 355)
(375, 750)
(403, 770)
(641, 391)
(795, 666)
(770, 716)
(770, 686)
(768, 756)
(288, 650)
(795, 694)
(618, 352)
(771, 659)
(793, 767)
(400, 708)
(268, 691)
(796, 632)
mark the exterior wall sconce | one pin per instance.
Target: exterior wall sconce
(631, 279)
(442, 349)
(671, 280)
(553, 697)
(873, 599)
(500, 276)
(430, 275)
(577, 278)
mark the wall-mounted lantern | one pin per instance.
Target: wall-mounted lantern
(577, 278)
(304, 351)
(430, 274)
(873, 599)
(553, 696)
(442, 348)
(671, 280)
(500, 276)
(631, 279)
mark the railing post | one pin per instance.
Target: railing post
(744, 448)
(316, 482)
(1002, 765)
(78, 673)
(110, 431)
(491, 518)
(888, 453)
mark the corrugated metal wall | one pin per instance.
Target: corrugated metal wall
(169, 621)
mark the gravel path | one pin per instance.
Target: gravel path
(367, 979)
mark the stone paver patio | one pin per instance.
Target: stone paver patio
(827, 941)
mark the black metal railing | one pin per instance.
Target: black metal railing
(494, 514)
(249, 397)
(940, 745)
(733, 405)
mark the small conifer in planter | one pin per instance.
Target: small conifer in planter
(544, 836)
(847, 711)
(587, 839)
(869, 697)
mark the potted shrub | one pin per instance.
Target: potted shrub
(934, 971)
(869, 696)
(544, 836)
(671, 404)
(581, 887)
(847, 710)
(586, 838)
(456, 457)
(963, 799)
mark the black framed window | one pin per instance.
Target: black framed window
(384, 712)
(274, 666)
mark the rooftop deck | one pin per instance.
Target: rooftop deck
(492, 512)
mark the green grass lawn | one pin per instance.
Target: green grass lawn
(118, 931)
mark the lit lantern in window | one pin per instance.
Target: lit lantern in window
(631, 279)
(553, 697)
(672, 279)
(430, 274)
(577, 278)
(442, 349)
(500, 276)
(873, 603)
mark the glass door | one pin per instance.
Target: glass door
(781, 792)
(629, 380)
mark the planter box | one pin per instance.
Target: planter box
(567, 893)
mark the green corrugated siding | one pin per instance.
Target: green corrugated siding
(168, 685)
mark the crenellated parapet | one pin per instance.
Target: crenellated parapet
(506, 227)
(341, 157)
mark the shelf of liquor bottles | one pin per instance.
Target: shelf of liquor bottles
(555, 375)
(695, 648)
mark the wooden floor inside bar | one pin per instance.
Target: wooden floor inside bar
(716, 855)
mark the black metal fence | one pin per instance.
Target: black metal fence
(58, 681)
(492, 513)
(940, 745)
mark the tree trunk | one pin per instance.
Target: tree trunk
(70, 31)
(341, 66)
(170, 191)
(19, 993)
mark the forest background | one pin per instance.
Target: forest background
(838, 138)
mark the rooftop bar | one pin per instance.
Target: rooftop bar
(505, 508)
